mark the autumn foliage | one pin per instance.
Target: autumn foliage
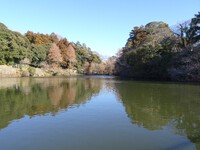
(71, 56)
(54, 55)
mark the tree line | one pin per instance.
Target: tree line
(47, 51)
(156, 51)
(152, 51)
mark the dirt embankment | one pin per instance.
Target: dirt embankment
(25, 71)
(9, 71)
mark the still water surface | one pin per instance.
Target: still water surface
(98, 113)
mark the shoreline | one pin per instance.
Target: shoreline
(28, 71)
(32, 72)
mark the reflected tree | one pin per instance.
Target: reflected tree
(154, 106)
(39, 96)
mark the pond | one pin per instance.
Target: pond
(98, 113)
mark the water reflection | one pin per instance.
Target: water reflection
(156, 106)
(38, 96)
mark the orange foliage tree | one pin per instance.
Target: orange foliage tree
(39, 39)
(54, 55)
(71, 56)
(62, 44)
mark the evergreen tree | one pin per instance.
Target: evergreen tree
(194, 31)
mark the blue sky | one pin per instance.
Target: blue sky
(104, 25)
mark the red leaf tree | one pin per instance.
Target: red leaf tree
(54, 55)
(71, 56)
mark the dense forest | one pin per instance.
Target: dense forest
(153, 51)
(39, 50)
(156, 51)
